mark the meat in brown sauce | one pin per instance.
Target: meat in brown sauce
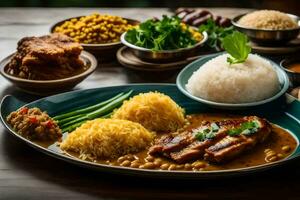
(279, 145)
(47, 57)
(186, 147)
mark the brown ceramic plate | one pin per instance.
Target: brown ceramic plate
(46, 87)
(103, 52)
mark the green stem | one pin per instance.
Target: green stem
(65, 120)
(72, 127)
(99, 112)
(87, 109)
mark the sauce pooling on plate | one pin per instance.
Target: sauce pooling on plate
(279, 145)
(295, 67)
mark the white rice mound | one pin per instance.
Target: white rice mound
(218, 81)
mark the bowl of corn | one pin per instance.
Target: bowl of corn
(98, 34)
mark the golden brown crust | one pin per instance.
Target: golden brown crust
(56, 54)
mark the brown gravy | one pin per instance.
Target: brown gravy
(278, 139)
(295, 67)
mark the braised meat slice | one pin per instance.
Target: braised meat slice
(47, 57)
(215, 141)
(231, 146)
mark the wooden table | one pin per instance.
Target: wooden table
(28, 174)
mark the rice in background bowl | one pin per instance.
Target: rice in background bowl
(268, 19)
(251, 81)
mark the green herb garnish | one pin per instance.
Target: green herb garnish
(246, 128)
(237, 46)
(200, 136)
(215, 34)
(165, 34)
(208, 133)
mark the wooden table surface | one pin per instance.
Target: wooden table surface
(28, 174)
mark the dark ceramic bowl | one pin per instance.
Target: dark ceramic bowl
(293, 76)
(46, 87)
(267, 36)
(103, 52)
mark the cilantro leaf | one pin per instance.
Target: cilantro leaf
(215, 34)
(246, 128)
(236, 45)
(200, 136)
(208, 133)
(165, 34)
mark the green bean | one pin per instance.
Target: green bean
(65, 120)
(87, 109)
(107, 115)
(99, 112)
(72, 127)
(108, 107)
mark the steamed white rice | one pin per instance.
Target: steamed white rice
(218, 81)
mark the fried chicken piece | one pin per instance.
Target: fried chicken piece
(47, 57)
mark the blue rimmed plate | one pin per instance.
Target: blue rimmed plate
(286, 115)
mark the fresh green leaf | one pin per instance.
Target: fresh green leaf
(234, 132)
(215, 34)
(200, 136)
(214, 126)
(164, 34)
(246, 128)
(236, 45)
(208, 133)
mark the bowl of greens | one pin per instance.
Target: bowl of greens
(163, 40)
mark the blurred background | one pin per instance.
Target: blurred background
(291, 6)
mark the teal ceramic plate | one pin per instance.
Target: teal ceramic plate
(286, 116)
(188, 71)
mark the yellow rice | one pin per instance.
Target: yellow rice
(107, 138)
(154, 110)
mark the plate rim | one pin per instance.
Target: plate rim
(133, 171)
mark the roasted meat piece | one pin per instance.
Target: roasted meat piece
(197, 17)
(215, 141)
(45, 58)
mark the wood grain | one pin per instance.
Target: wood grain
(28, 174)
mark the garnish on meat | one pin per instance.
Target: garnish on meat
(214, 141)
(34, 124)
